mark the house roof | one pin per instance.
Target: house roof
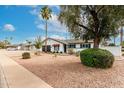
(60, 41)
(78, 41)
(69, 41)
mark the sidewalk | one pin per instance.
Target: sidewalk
(14, 75)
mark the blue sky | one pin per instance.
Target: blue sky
(24, 23)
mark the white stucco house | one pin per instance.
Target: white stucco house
(56, 45)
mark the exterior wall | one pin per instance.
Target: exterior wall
(51, 42)
(80, 49)
(91, 45)
(115, 50)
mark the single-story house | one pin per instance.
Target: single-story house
(55, 45)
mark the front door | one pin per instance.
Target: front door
(65, 48)
(48, 48)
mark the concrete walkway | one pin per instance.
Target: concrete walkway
(13, 75)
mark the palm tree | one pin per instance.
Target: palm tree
(8, 40)
(46, 15)
(29, 44)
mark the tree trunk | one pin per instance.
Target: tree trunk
(114, 40)
(121, 35)
(96, 42)
(46, 38)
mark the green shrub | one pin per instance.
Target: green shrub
(122, 44)
(98, 58)
(111, 44)
(61, 52)
(53, 52)
(26, 55)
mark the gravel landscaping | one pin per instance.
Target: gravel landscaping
(67, 71)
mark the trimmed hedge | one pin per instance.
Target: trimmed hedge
(26, 55)
(98, 58)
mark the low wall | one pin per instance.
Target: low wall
(115, 50)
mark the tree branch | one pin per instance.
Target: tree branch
(84, 27)
(100, 9)
(88, 8)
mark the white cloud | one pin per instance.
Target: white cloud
(34, 12)
(57, 37)
(41, 26)
(9, 27)
(32, 6)
(53, 24)
(54, 6)
(52, 36)
(33, 38)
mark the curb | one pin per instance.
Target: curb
(3, 81)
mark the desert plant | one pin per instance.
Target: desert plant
(77, 53)
(122, 54)
(70, 51)
(38, 44)
(61, 52)
(26, 55)
(55, 54)
(29, 44)
(2, 45)
(98, 58)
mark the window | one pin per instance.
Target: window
(85, 45)
(71, 46)
(56, 48)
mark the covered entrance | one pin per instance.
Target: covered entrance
(56, 47)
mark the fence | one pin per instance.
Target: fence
(115, 50)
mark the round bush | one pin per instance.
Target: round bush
(26, 55)
(98, 58)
